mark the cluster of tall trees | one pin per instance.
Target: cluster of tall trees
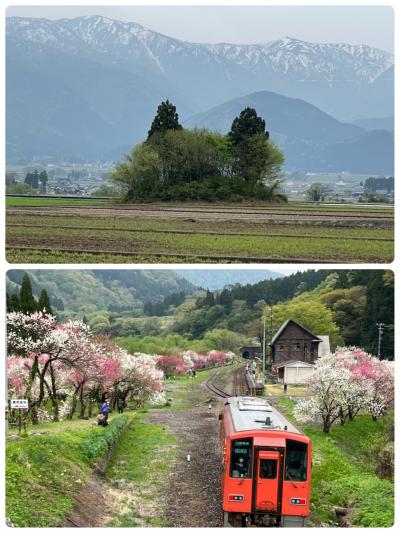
(161, 308)
(176, 163)
(375, 184)
(25, 301)
(36, 178)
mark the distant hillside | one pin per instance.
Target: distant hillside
(82, 88)
(87, 291)
(383, 123)
(311, 139)
(218, 279)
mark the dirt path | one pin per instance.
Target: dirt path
(193, 495)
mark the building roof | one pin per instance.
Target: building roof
(285, 325)
(293, 363)
(249, 413)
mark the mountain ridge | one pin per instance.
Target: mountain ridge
(118, 72)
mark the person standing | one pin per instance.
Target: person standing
(105, 409)
(120, 405)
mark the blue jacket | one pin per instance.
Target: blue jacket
(105, 408)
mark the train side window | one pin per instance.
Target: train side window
(241, 456)
(296, 461)
(268, 468)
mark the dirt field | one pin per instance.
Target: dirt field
(194, 233)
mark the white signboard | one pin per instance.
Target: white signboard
(19, 404)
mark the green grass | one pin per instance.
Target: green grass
(143, 459)
(43, 472)
(137, 447)
(48, 202)
(24, 256)
(344, 465)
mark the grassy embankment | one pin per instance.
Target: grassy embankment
(344, 471)
(45, 470)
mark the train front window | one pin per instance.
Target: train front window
(241, 453)
(296, 461)
(268, 468)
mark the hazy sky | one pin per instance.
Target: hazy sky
(373, 25)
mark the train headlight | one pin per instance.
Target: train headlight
(235, 497)
(298, 501)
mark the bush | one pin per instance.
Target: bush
(99, 440)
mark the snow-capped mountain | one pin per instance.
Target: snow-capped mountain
(128, 40)
(94, 83)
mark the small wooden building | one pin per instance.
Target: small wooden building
(294, 342)
(294, 372)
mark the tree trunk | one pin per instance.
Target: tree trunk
(90, 413)
(83, 404)
(54, 400)
(73, 404)
(34, 415)
(326, 425)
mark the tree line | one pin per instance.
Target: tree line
(175, 163)
(161, 308)
(25, 302)
(376, 184)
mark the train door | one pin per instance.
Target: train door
(267, 493)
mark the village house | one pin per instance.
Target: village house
(294, 349)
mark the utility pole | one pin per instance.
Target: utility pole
(263, 351)
(380, 325)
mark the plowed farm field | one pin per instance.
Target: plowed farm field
(71, 231)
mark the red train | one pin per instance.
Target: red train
(266, 460)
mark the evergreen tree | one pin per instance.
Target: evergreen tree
(44, 303)
(256, 160)
(32, 179)
(28, 303)
(43, 178)
(166, 119)
(225, 298)
(209, 299)
(13, 303)
(248, 123)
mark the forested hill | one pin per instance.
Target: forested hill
(278, 290)
(214, 279)
(347, 305)
(88, 291)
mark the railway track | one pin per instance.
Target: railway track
(239, 384)
(189, 232)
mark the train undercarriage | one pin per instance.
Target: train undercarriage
(261, 520)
